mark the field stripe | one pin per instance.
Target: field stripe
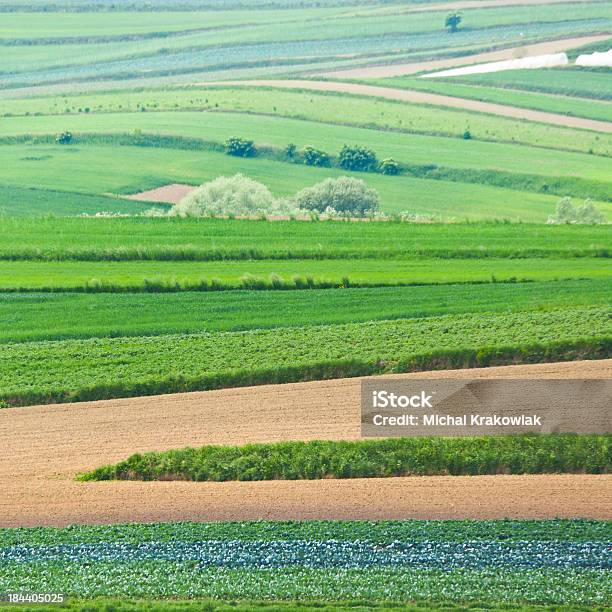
(44, 446)
(419, 97)
(391, 70)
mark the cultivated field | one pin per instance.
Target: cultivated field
(215, 217)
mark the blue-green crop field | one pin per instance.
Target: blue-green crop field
(373, 565)
(105, 295)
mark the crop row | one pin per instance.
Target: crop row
(384, 532)
(528, 454)
(123, 239)
(166, 578)
(268, 554)
(76, 370)
(57, 316)
(265, 275)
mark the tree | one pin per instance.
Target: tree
(587, 213)
(344, 195)
(452, 21)
(64, 138)
(357, 158)
(316, 157)
(238, 147)
(229, 196)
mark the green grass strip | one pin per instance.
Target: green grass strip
(222, 239)
(60, 316)
(430, 456)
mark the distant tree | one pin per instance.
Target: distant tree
(357, 158)
(238, 147)
(587, 213)
(64, 138)
(452, 21)
(290, 151)
(315, 157)
(389, 166)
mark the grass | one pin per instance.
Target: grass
(184, 121)
(358, 111)
(521, 454)
(495, 174)
(173, 276)
(222, 239)
(98, 368)
(578, 82)
(130, 169)
(58, 316)
(501, 93)
(27, 202)
(128, 44)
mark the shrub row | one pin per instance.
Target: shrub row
(428, 456)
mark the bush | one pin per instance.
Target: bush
(389, 167)
(239, 147)
(344, 195)
(467, 135)
(290, 151)
(586, 214)
(64, 138)
(316, 157)
(229, 196)
(357, 158)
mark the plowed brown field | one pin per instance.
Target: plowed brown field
(43, 447)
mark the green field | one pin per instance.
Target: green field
(34, 316)
(563, 100)
(332, 565)
(577, 82)
(124, 239)
(76, 370)
(118, 46)
(134, 169)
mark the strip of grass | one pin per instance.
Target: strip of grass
(79, 370)
(129, 169)
(171, 114)
(266, 275)
(223, 239)
(28, 317)
(543, 454)
(539, 183)
(499, 93)
(359, 111)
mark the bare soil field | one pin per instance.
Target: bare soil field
(420, 97)
(43, 447)
(170, 194)
(391, 70)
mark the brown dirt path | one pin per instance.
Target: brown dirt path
(420, 97)
(44, 446)
(391, 70)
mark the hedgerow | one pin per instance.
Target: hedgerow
(526, 454)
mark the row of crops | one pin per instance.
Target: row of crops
(554, 562)
(101, 368)
(116, 320)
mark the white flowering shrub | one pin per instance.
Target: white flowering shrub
(237, 195)
(586, 214)
(344, 195)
